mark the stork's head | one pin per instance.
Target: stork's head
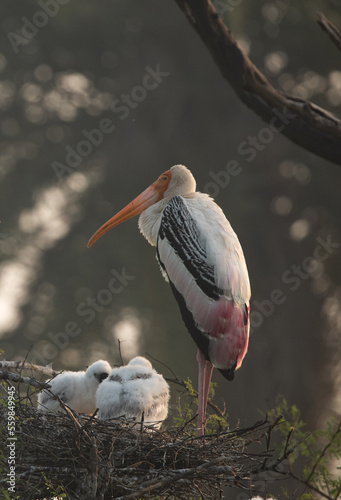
(178, 180)
(181, 181)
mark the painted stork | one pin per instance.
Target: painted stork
(201, 257)
(135, 391)
(76, 389)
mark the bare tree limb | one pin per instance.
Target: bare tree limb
(14, 377)
(306, 124)
(20, 365)
(330, 29)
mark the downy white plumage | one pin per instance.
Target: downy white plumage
(76, 389)
(134, 391)
(201, 257)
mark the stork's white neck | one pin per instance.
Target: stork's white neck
(150, 220)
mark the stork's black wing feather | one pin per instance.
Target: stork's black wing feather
(182, 234)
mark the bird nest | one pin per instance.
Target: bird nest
(74, 456)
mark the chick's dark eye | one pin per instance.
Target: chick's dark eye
(164, 178)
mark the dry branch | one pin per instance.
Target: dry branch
(306, 124)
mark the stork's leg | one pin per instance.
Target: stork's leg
(204, 378)
(208, 375)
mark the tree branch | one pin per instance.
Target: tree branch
(306, 124)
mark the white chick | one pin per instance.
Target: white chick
(76, 389)
(132, 391)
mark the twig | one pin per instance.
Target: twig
(120, 352)
(94, 468)
(186, 424)
(286, 451)
(31, 469)
(164, 364)
(310, 486)
(25, 358)
(69, 413)
(330, 29)
(271, 428)
(323, 453)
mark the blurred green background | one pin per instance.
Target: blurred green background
(61, 79)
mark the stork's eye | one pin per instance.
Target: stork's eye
(165, 178)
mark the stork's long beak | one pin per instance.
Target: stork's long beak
(151, 195)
